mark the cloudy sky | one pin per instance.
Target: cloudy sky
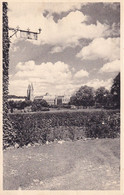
(79, 45)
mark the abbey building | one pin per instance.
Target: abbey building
(50, 99)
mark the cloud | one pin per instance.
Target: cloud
(56, 49)
(62, 7)
(81, 73)
(56, 78)
(65, 33)
(47, 72)
(69, 30)
(96, 83)
(113, 66)
(107, 49)
(27, 66)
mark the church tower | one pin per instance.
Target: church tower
(30, 92)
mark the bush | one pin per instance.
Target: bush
(42, 127)
(65, 106)
(39, 105)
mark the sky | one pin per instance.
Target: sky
(79, 45)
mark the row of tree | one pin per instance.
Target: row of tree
(87, 96)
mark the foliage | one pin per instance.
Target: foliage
(5, 58)
(18, 104)
(38, 105)
(42, 127)
(8, 134)
(115, 91)
(101, 96)
(83, 97)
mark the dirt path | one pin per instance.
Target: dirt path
(79, 165)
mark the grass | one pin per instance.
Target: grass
(54, 110)
(78, 165)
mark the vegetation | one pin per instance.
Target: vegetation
(84, 96)
(101, 95)
(5, 58)
(39, 105)
(79, 165)
(115, 91)
(41, 127)
(36, 105)
(102, 98)
(18, 104)
(8, 135)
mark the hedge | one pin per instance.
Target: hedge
(41, 127)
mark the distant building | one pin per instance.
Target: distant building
(50, 99)
(30, 92)
(59, 100)
(66, 99)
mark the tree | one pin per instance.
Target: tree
(115, 91)
(109, 101)
(37, 105)
(11, 105)
(101, 95)
(25, 104)
(83, 97)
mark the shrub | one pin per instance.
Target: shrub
(39, 105)
(42, 127)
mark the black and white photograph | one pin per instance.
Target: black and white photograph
(61, 96)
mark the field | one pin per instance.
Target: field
(71, 165)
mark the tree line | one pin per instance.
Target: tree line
(88, 97)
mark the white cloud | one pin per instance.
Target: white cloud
(108, 49)
(113, 66)
(66, 32)
(96, 83)
(47, 72)
(69, 30)
(27, 66)
(46, 77)
(80, 74)
(55, 78)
